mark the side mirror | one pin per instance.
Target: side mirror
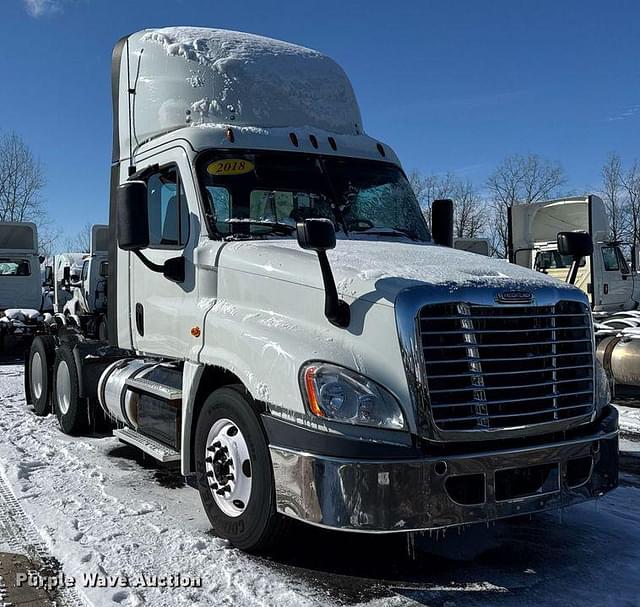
(104, 269)
(133, 219)
(174, 269)
(319, 235)
(66, 275)
(316, 235)
(575, 244)
(442, 222)
(48, 276)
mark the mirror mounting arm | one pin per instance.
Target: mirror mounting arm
(336, 310)
(174, 269)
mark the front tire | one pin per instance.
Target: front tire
(70, 409)
(38, 373)
(235, 478)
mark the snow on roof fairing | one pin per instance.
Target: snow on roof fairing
(190, 75)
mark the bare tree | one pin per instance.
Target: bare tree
(519, 180)
(631, 184)
(81, 242)
(470, 214)
(613, 193)
(469, 208)
(21, 183)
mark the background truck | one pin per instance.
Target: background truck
(282, 323)
(21, 297)
(87, 306)
(611, 283)
(605, 276)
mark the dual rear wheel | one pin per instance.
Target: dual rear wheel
(51, 383)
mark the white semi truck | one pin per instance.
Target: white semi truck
(21, 297)
(282, 323)
(611, 283)
(87, 306)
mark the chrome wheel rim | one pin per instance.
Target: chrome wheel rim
(37, 378)
(63, 388)
(228, 467)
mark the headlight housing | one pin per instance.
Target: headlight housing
(342, 395)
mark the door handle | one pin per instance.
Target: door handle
(625, 276)
(140, 319)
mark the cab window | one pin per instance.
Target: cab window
(15, 267)
(85, 270)
(168, 210)
(624, 267)
(610, 259)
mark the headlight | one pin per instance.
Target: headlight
(603, 389)
(341, 395)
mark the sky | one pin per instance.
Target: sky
(453, 85)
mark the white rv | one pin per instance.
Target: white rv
(283, 324)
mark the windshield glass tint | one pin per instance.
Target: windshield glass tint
(268, 193)
(15, 267)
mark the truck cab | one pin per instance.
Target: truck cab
(606, 276)
(283, 323)
(21, 297)
(88, 302)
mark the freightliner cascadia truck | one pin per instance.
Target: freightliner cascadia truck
(283, 324)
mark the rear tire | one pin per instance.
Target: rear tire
(70, 409)
(37, 373)
(232, 455)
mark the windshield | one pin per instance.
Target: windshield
(266, 193)
(15, 267)
(552, 260)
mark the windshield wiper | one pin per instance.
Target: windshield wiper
(276, 228)
(387, 232)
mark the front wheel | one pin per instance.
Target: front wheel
(234, 472)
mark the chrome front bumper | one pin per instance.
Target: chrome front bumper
(384, 496)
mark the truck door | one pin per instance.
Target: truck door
(161, 311)
(617, 282)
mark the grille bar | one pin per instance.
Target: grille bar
(507, 415)
(469, 373)
(510, 345)
(510, 387)
(512, 358)
(508, 401)
(472, 374)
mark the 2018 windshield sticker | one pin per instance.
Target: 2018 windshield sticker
(230, 166)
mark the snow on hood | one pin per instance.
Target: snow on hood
(377, 270)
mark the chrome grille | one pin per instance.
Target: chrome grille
(492, 367)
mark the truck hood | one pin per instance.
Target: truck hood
(377, 270)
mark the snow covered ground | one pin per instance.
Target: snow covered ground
(101, 508)
(629, 419)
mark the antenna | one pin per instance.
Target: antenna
(132, 168)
